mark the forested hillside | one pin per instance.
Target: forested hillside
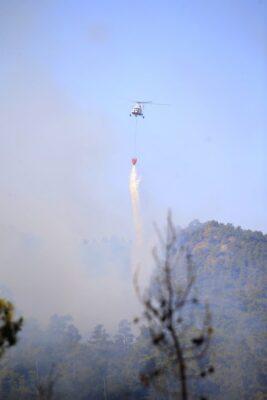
(230, 266)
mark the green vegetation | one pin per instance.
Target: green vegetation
(8, 327)
(230, 269)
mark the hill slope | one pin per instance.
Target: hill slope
(231, 267)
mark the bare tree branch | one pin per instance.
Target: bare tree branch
(167, 307)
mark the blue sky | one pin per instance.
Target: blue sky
(66, 139)
(204, 156)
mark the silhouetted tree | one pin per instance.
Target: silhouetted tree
(8, 327)
(46, 387)
(124, 337)
(179, 327)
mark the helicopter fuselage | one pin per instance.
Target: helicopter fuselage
(137, 110)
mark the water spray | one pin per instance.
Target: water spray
(134, 191)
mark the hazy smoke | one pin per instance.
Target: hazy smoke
(55, 187)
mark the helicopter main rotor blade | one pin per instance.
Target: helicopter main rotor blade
(151, 102)
(160, 104)
(147, 102)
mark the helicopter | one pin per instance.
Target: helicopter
(138, 107)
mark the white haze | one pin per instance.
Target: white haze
(55, 181)
(50, 158)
